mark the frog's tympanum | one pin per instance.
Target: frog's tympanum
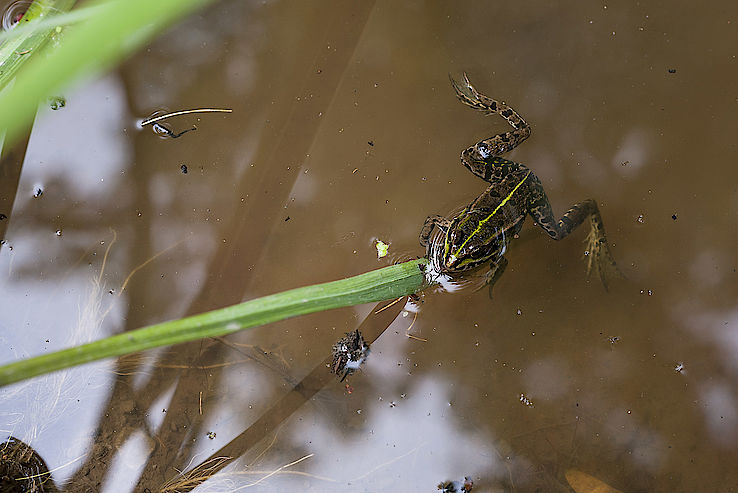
(481, 231)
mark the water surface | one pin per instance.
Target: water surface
(345, 129)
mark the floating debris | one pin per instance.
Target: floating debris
(464, 486)
(382, 248)
(185, 112)
(163, 130)
(526, 400)
(57, 102)
(349, 353)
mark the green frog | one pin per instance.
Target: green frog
(480, 232)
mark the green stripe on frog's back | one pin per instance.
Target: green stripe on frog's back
(483, 221)
(471, 262)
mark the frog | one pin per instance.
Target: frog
(480, 232)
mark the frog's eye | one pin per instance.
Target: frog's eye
(483, 150)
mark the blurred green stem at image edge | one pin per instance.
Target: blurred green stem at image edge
(378, 285)
(41, 69)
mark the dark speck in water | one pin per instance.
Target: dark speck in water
(183, 168)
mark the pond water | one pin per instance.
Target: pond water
(345, 130)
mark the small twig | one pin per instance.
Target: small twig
(46, 473)
(125, 283)
(185, 112)
(387, 306)
(407, 331)
(279, 469)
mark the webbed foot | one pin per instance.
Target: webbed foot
(598, 256)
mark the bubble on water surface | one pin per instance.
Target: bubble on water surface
(14, 13)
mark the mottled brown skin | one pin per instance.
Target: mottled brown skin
(480, 232)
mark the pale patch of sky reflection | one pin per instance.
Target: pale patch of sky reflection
(250, 387)
(128, 463)
(547, 379)
(87, 149)
(718, 399)
(158, 410)
(418, 438)
(49, 308)
(305, 188)
(633, 153)
(719, 404)
(707, 269)
(721, 329)
(46, 403)
(627, 431)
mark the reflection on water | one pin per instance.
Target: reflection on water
(344, 130)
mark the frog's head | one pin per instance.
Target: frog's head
(470, 244)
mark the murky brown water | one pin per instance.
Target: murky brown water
(345, 129)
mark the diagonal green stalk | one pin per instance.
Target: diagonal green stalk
(378, 285)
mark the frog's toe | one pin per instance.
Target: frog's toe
(599, 259)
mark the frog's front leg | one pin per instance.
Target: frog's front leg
(482, 158)
(598, 251)
(496, 269)
(430, 222)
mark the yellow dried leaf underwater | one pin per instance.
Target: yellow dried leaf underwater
(584, 483)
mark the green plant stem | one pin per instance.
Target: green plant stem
(17, 50)
(119, 28)
(378, 285)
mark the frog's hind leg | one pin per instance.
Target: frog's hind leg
(482, 157)
(599, 257)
